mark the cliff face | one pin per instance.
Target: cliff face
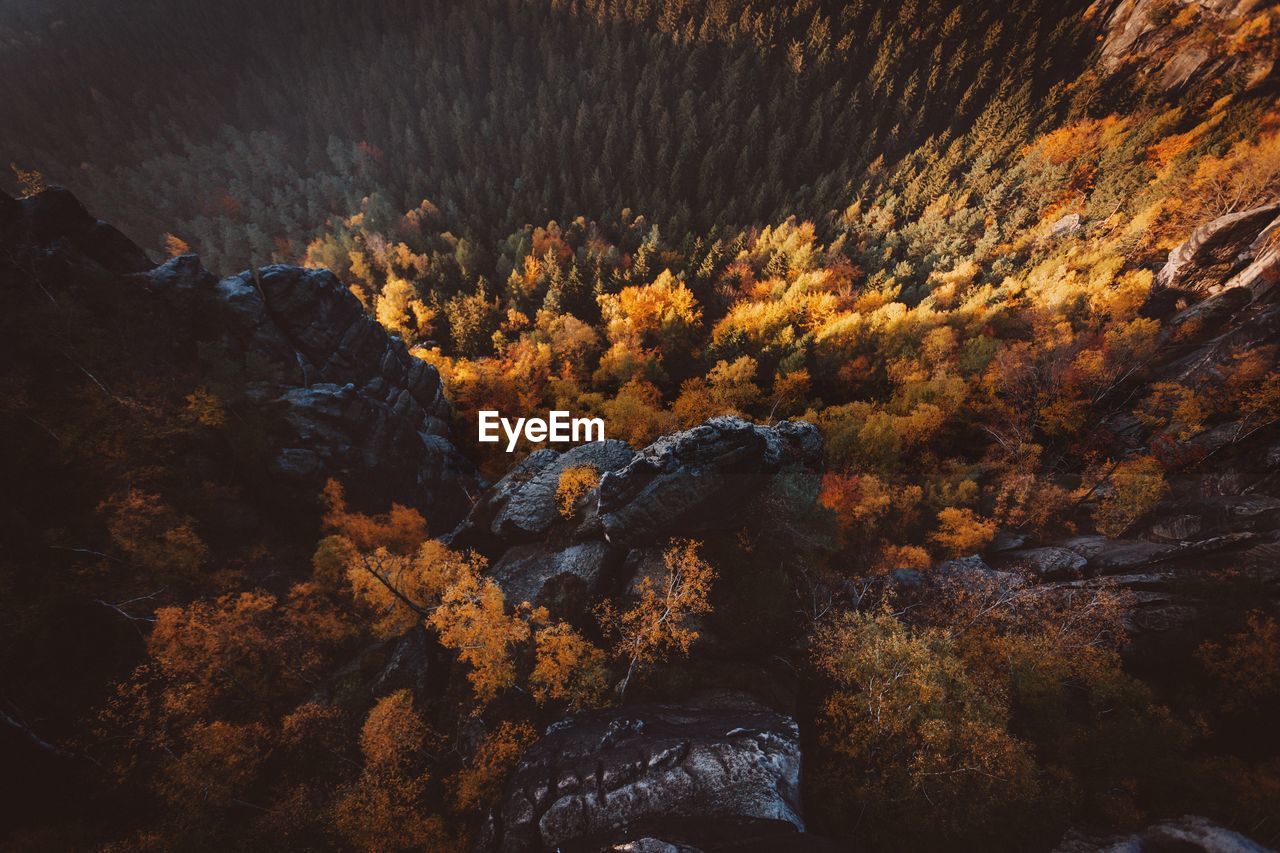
(330, 393)
(1170, 45)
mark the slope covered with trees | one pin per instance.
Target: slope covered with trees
(501, 113)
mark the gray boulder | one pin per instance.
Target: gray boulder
(531, 509)
(1050, 563)
(1219, 514)
(715, 770)
(700, 478)
(564, 581)
(522, 506)
(314, 387)
(1190, 834)
(1214, 250)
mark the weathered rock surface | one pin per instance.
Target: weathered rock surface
(522, 505)
(336, 395)
(1138, 39)
(1189, 834)
(1218, 248)
(697, 479)
(711, 770)
(55, 218)
(532, 508)
(1216, 515)
(354, 403)
(564, 581)
(1050, 563)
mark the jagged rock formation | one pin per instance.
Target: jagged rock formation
(678, 772)
(1189, 834)
(522, 505)
(1173, 45)
(339, 396)
(1235, 250)
(713, 770)
(694, 480)
(681, 484)
(357, 406)
(566, 582)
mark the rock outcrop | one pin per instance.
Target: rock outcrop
(714, 770)
(333, 393)
(1174, 45)
(684, 483)
(696, 479)
(1187, 834)
(522, 505)
(566, 581)
(1224, 252)
(354, 404)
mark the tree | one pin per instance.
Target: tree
(658, 625)
(575, 484)
(1246, 668)
(962, 531)
(399, 308)
(399, 530)
(385, 808)
(910, 732)
(568, 669)
(479, 783)
(1136, 486)
(472, 620)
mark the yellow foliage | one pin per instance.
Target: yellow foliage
(663, 312)
(400, 530)
(175, 245)
(907, 725)
(568, 669)
(658, 625)
(206, 409)
(1247, 667)
(153, 535)
(1137, 485)
(385, 808)
(479, 783)
(400, 310)
(574, 484)
(472, 620)
(962, 531)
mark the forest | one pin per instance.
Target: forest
(936, 344)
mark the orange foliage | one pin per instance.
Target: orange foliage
(962, 531)
(401, 530)
(568, 669)
(575, 484)
(479, 783)
(658, 625)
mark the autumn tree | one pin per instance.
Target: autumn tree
(399, 308)
(568, 669)
(385, 808)
(479, 783)
(1245, 667)
(962, 531)
(910, 732)
(1131, 490)
(659, 624)
(574, 484)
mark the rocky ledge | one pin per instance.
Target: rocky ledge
(715, 770)
(335, 394)
(682, 484)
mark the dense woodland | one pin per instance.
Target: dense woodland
(929, 228)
